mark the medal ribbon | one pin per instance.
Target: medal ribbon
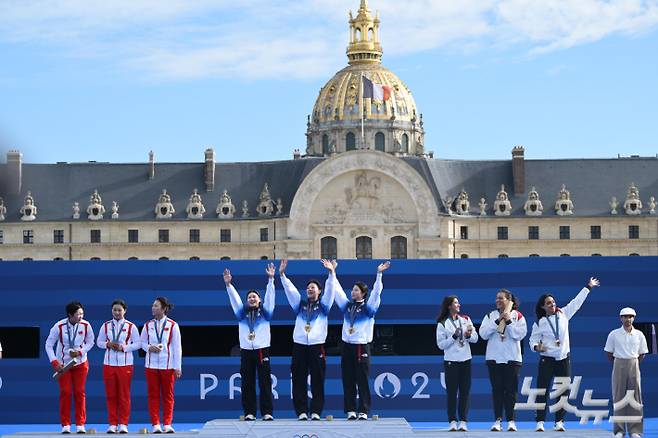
(75, 333)
(159, 333)
(556, 329)
(461, 332)
(353, 309)
(252, 315)
(115, 336)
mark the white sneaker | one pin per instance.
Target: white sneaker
(559, 426)
(315, 417)
(453, 426)
(268, 417)
(168, 429)
(463, 427)
(249, 417)
(539, 427)
(496, 427)
(363, 416)
(351, 415)
(66, 429)
(511, 426)
(156, 429)
(123, 428)
(302, 416)
(80, 429)
(112, 429)
(636, 435)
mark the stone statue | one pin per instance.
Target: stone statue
(652, 205)
(29, 209)
(633, 204)
(265, 207)
(279, 206)
(115, 210)
(483, 207)
(76, 210)
(502, 206)
(613, 205)
(95, 210)
(164, 209)
(462, 204)
(225, 208)
(245, 209)
(447, 204)
(195, 208)
(3, 209)
(533, 206)
(564, 205)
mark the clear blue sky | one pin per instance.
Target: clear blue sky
(110, 80)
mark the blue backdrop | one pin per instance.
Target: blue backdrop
(34, 294)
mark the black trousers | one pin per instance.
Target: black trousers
(355, 368)
(308, 359)
(548, 369)
(254, 362)
(458, 379)
(504, 378)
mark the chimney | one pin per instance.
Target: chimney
(296, 154)
(518, 170)
(151, 165)
(14, 172)
(209, 170)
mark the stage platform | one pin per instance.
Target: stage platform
(338, 428)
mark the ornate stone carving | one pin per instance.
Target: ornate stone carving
(265, 204)
(3, 209)
(652, 205)
(279, 207)
(533, 206)
(502, 206)
(195, 208)
(483, 207)
(363, 231)
(29, 209)
(76, 210)
(115, 210)
(164, 209)
(365, 193)
(447, 204)
(245, 208)
(564, 205)
(633, 204)
(95, 209)
(225, 208)
(613, 205)
(461, 203)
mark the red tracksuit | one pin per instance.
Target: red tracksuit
(118, 367)
(62, 338)
(160, 367)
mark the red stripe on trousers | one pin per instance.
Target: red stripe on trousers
(117, 389)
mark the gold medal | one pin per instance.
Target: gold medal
(351, 330)
(307, 327)
(252, 336)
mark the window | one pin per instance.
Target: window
(194, 258)
(225, 235)
(58, 236)
(398, 247)
(27, 259)
(533, 232)
(163, 258)
(363, 247)
(533, 255)
(264, 234)
(225, 258)
(133, 236)
(350, 142)
(565, 232)
(28, 236)
(95, 258)
(595, 232)
(325, 144)
(405, 143)
(163, 236)
(2, 236)
(463, 232)
(195, 236)
(634, 254)
(565, 255)
(133, 258)
(596, 255)
(328, 248)
(58, 258)
(502, 233)
(503, 256)
(633, 231)
(380, 142)
(464, 256)
(95, 236)
(263, 258)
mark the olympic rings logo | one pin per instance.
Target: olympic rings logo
(305, 436)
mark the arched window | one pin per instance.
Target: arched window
(58, 258)
(533, 255)
(463, 256)
(27, 259)
(350, 142)
(95, 258)
(371, 34)
(194, 258)
(328, 248)
(363, 247)
(225, 258)
(398, 247)
(565, 255)
(325, 144)
(133, 258)
(634, 254)
(263, 257)
(405, 144)
(503, 256)
(358, 34)
(163, 258)
(380, 142)
(596, 255)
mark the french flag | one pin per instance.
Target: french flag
(376, 92)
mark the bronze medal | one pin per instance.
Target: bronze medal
(351, 330)
(307, 327)
(252, 336)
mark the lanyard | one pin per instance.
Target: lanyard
(75, 333)
(556, 329)
(252, 316)
(115, 337)
(354, 308)
(461, 332)
(160, 333)
(310, 309)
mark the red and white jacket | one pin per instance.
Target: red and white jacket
(128, 337)
(57, 343)
(172, 353)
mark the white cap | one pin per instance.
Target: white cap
(627, 311)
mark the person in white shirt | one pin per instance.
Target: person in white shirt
(161, 340)
(69, 341)
(309, 336)
(358, 327)
(454, 334)
(626, 347)
(254, 334)
(119, 338)
(550, 338)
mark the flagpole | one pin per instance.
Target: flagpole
(363, 116)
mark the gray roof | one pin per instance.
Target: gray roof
(55, 187)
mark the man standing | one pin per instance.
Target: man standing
(626, 348)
